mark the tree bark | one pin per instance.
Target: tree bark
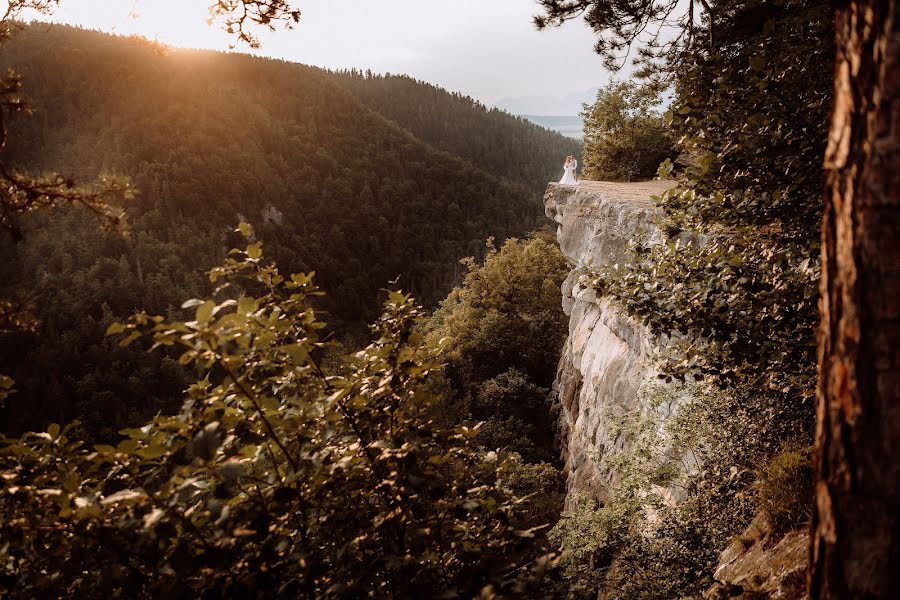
(855, 531)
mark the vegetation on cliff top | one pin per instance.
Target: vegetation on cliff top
(625, 136)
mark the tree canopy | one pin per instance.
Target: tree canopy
(280, 475)
(625, 137)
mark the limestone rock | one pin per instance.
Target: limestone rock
(608, 356)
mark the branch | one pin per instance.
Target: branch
(252, 398)
(712, 23)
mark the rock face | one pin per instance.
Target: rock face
(607, 357)
(760, 564)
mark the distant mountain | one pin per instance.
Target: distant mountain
(364, 182)
(572, 127)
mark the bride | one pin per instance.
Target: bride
(569, 167)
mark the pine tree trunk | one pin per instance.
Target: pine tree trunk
(855, 534)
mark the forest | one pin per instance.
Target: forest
(270, 330)
(359, 191)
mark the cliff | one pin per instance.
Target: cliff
(608, 355)
(606, 365)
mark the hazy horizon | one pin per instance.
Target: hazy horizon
(491, 52)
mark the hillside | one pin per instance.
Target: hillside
(207, 138)
(507, 145)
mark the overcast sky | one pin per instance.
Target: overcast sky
(485, 48)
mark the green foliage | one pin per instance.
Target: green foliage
(511, 405)
(687, 484)
(752, 116)
(591, 538)
(276, 477)
(513, 434)
(739, 302)
(505, 314)
(500, 334)
(733, 289)
(500, 391)
(208, 139)
(783, 487)
(625, 139)
(504, 144)
(24, 192)
(716, 300)
(540, 483)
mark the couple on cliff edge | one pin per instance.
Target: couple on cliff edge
(569, 167)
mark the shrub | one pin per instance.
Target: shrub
(637, 544)
(500, 335)
(279, 476)
(782, 489)
(625, 139)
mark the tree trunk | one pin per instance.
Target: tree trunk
(855, 533)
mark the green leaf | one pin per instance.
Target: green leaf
(204, 312)
(254, 251)
(53, 430)
(152, 451)
(131, 337)
(245, 305)
(245, 229)
(269, 403)
(115, 329)
(298, 353)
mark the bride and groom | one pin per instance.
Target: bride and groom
(569, 167)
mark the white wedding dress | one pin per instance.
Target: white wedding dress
(568, 177)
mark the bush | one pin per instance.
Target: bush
(279, 476)
(783, 487)
(500, 335)
(638, 544)
(624, 138)
(511, 434)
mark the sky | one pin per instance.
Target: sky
(487, 49)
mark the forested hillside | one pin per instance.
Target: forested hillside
(207, 139)
(504, 144)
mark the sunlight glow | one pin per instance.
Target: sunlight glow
(173, 22)
(488, 50)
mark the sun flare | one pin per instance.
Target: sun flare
(172, 22)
